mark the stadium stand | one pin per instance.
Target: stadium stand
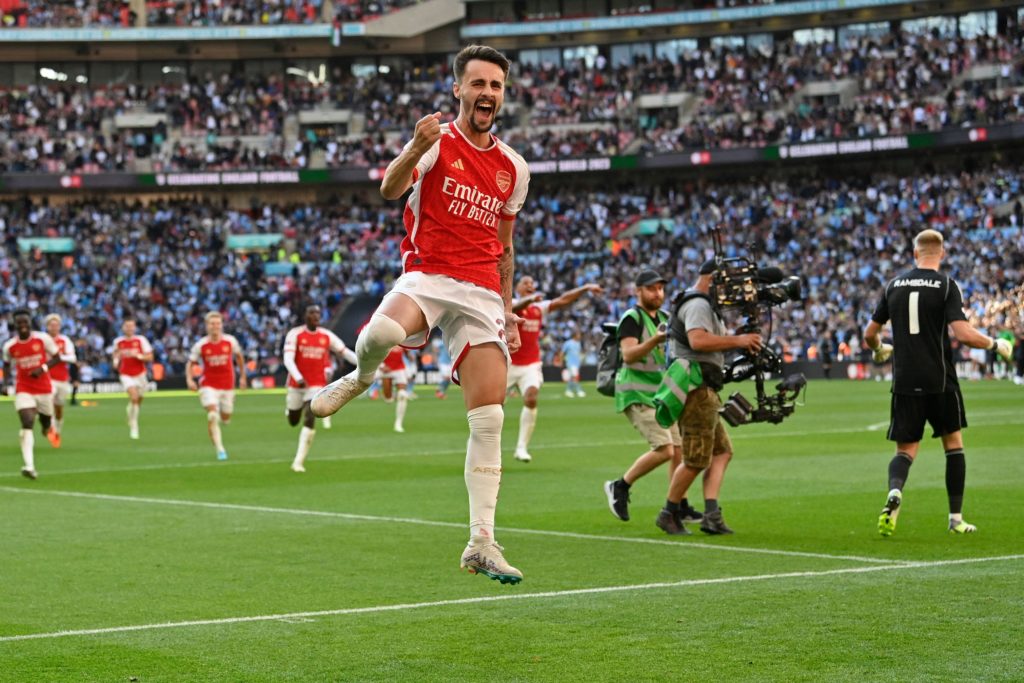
(843, 237)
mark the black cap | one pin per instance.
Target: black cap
(648, 276)
(708, 267)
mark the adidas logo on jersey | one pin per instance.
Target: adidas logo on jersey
(458, 164)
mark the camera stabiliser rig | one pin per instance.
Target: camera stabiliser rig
(739, 284)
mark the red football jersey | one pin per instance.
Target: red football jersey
(218, 361)
(529, 333)
(27, 355)
(395, 361)
(308, 354)
(132, 367)
(459, 194)
(66, 349)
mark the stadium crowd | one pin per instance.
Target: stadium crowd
(168, 261)
(65, 13)
(903, 82)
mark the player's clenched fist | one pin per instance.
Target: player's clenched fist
(428, 131)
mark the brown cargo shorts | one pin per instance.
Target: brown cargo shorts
(704, 434)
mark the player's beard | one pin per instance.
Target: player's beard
(471, 116)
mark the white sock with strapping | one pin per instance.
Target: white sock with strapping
(28, 442)
(306, 436)
(527, 421)
(133, 415)
(58, 425)
(375, 342)
(483, 467)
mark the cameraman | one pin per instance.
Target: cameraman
(706, 446)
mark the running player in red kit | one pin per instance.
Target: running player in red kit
(218, 352)
(394, 378)
(526, 373)
(467, 187)
(30, 353)
(307, 356)
(60, 376)
(131, 353)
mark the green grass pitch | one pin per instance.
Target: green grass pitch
(244, 571)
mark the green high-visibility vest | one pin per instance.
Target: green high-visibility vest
(638, 381)
(669, 401)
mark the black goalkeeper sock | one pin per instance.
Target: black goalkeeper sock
(710, 505)
(899, 470)
(956, 473)
(672, 507)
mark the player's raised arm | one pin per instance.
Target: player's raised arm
(572, 295)
(404, 170)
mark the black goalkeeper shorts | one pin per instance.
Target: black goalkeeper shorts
(944, 412)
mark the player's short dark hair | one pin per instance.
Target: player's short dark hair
(21, 311)
(481, 52)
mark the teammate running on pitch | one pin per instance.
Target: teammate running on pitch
(29, 354)
(307, 356)
(526, 371)
(218, 353)
(923, 304)
(60, 375)
(458, 263)
(131, 353)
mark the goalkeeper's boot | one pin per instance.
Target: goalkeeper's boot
(887, 520)
(331, 398)
(484, 556)
(959, 526)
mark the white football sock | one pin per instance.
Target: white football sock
(400, 405)
(375, 342)
(28, 441)
(133, 415)
(483, 467)
(326, 422)
(58, 425)
(527, 421)
(306, 436)
(213, 419)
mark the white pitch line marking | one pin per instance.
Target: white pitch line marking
(455, 525)
(293, 616)
(876, 426)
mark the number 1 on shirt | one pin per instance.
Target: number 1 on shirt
(915, 320)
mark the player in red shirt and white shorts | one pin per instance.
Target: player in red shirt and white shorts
(307, 356)
(131, 353)
(393, 374)
(218, 353)
(60, 376)
(526, 372)
(458, 262)
(29, 354)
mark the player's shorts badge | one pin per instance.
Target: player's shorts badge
(504, 179)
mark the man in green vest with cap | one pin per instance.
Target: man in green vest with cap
(642, 333)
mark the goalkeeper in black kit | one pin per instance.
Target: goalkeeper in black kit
(923, 305)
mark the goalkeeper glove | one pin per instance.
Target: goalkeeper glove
(1003, 348)
(882, 353)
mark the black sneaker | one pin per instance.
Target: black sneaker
(668, 523)
(690, 515)
(618, 499)
(714, 524)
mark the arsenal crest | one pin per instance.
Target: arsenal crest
(504, 179)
